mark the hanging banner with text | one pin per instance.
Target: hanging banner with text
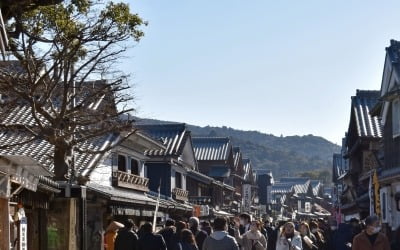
(246, 197)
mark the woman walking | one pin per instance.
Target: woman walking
(252, 239)
(188, 241)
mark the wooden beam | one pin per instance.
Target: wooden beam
(4, 225)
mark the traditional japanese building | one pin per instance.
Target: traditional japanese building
(388, 112)
(362, 151)
(215, 159)
(167, 169)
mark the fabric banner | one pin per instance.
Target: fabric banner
(376, 194)
(246, 198)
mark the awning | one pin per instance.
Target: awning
(21, 170)
(122, 195)
(228, 187)
(221, 213)
(199, 177)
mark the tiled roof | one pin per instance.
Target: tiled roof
(211, 148)
(172, 135)
(40, 150)
(316, 185)
(361, 104)
(337, 166)
(246, 168)
(282, 188)
(236, 156)
(299, 184)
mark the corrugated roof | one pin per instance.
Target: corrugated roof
(211, 148)
(362, 103)
(172, 135)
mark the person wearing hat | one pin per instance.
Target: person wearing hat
(111, 234)
(371, 238)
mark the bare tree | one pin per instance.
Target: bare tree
(65, 71)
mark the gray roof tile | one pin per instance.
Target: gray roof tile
(40, 150)
(172, 135)
(211, 148)
(362, 103)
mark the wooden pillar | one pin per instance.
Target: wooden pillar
(4, 225)
(72, 237)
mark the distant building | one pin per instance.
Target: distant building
(298, 197)
(265, 180)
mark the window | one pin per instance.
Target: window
(396, 117)
(122, 163)
(178, 180)
(134, 167)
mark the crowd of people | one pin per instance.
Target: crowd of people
(243, 233)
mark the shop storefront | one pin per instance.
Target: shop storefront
(25, 196)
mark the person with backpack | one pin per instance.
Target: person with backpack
(220, 239)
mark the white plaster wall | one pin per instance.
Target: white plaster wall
(395, 215)
(102, 173)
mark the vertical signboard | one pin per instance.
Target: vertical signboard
(307, 207)
(23, 232)
(246, 197)
(299, 208)
(269, 194)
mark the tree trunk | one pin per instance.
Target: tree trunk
(62, 162)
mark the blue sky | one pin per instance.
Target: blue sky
(279, 67)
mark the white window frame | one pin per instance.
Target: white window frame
(396, 118)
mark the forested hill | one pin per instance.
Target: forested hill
(283, 155)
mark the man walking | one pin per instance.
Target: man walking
(126, 238)
(220, 239)
(371, 238)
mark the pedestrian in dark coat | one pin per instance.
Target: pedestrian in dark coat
(188, 241)
(199, 235)
(168, 233)
(371, 238)
(395, 245)
(149, 240)
(177, 237)
(126, 238)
